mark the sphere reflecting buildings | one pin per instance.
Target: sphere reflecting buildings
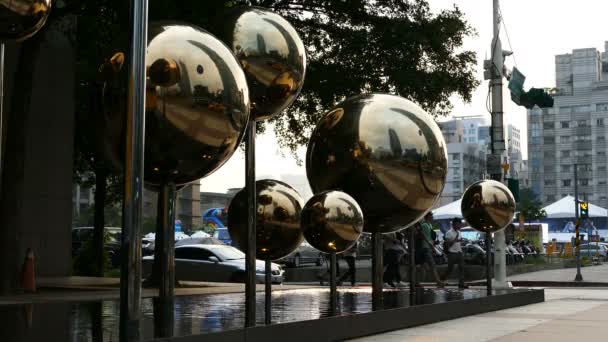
(332, 221)
(270, 52)
(488, 206)
(197, 105)
(278, 209)
(384, 151)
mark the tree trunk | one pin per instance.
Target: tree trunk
(99, 221)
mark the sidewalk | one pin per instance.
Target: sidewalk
(567, 315)
(597, 274)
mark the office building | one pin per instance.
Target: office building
(572, 134)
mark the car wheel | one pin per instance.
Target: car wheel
(296, 260)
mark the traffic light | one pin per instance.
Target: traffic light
(584, 209)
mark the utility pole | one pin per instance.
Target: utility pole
(579, 276)
(497, 141)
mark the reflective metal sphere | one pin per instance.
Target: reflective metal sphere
(385, 152)
(197, 104)
(21, 19)
(332, 221)
(277, 221)
(271, 54)
(488, 206)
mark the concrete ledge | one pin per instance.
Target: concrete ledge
(542, 283)
(353, 326)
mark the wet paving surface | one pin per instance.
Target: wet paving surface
(99, 321)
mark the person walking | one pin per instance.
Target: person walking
(394, 250)
(350, 256)
(427, 247)
(452, 245)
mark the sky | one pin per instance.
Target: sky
(537, 29)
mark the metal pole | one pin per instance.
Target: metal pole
(1, 109)
(268, 292)
(489, 263)
(251, 217)
(130, 272)
(498, 139)
(577, 241)
(377, 270)
(333, 292)
(412, 269)
(166, 242)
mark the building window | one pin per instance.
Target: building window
(549, 140)
(599, 122)
(565, 124)
(550, 198)
(566, 182)
(564, 168)
(601, 153)
(565, 154)
(548, 125)
(601, 107)
(601, 168)
(582, 123)
(549, 154)
(564, 110)
(601, 138)
(601, 182)
(549, 182)
(581, 109)
(455, 156)
(584, 182)
(564, 139)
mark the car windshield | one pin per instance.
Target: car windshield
(229, 253)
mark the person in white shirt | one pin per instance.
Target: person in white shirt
(453, 248)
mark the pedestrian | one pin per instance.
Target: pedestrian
(427, 247)
(350, 256)
(452, 245)
(393, 251)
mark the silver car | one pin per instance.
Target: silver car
(304, 254)
(218, 263)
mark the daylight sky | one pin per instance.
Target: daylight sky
(538, 30)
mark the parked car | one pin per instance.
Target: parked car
(304, 254)
(594, 249)
(218, 263)
(80, 235)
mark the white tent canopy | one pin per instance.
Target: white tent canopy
(565, 207)
(448, 211)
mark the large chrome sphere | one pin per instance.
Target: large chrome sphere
(271, 54)
(21, 19)
(332, 221)
(384, 151)
(488, 206)
(277, 221)
(197, 104)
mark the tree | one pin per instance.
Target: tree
(530, 206)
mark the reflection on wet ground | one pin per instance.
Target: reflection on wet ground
(98, 321)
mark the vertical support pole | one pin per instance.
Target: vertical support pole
(577, 241)
(489, 263)
(333, 291)
(377, 271)
(130, 272)
(498, 139)
(1, 110)
(166, 243)
(267, 292)
(251, 217)
(412, 268)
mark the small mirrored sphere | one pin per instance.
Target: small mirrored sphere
(270, 52)
(332, 221)
(488, 206)
(21, 19)
(278, 209)
(197, 105)
(384, 151)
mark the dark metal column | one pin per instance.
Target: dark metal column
(577, 241)
(130, 272)
(268, 292)
(251, 216)
(489, 263)
(1, 109)
(166, 243)
(377, 271)
(412, 268)
(333, 291)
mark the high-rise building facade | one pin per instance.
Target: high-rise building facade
(572, 134)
